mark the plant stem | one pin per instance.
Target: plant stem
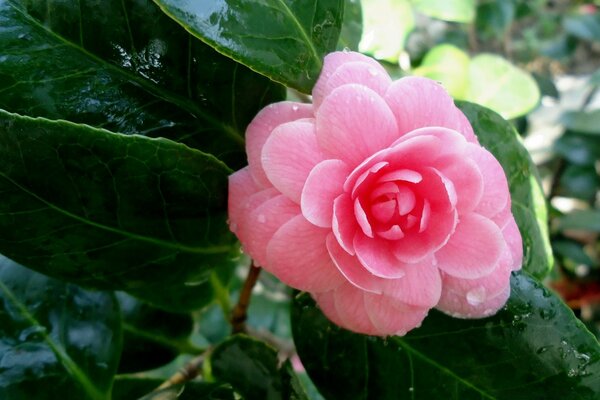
(188, 372)
(239, 314)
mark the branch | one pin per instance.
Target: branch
(239, 314)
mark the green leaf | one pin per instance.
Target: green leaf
(57, 341)
(449, 65)
(579, 149)
(386, 25)
(152, 337)
(582, 121)
(109, 210)
(129, 388)
(533, 349)
(528, 201)
(448, 10)
(497, 84)
(282, 39)
(581, 182)
(587, 220)
(252, 368)
(495, 17)
(351, 26)
(126, 67)
(585, 27)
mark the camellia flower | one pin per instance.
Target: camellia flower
(378, 200)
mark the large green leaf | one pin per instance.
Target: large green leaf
(285, 40)
(528, 202)
(252, 368)
(57, 341)
(449, 65)
(126, 67)
(448, 10)
(109, 210)
(533, 349)
(351, 26)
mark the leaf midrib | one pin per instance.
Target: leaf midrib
(131, 235)
(64, 358)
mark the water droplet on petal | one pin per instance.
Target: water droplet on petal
(346, 50)
(373, 71)
(476, 296)
(295, 108)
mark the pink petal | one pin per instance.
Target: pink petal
(377, 257)
(473, 250)
(297, 254)
(326, 303)
(467, 181)
(456, 305)
(289, 155)
(495, 194)
(334, 61)
(323, 185)
(361, 218)
(353, 123)
(344, 224)
(244, 224)
(437, 189)
(415, 247)
(512, 236)
(465, 128)
(351, 268)
(350, 306)
(261, 127)
(391, 318)
(419, 102)
(241, 187)
(421, 285)
(262, 223)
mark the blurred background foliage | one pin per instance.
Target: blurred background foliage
(537, 63)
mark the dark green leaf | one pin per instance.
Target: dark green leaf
(583, 26)
(251, 367)
(579, 149)
(581, 182)
(351, 26)
(573, 251)
(546, 85)
(126, 67)
(528, 202)
(494, 17)
(588, 220)
(57, 341)
(582, 121)
(109, 210)
(533, 349)
(152, 337)
(131, 388)
(282, 39)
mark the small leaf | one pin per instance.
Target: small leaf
(282, 39)
(582, 121)
(497, 84)
(581, 182)
(533, 349)
(448, 10)
(447, 64)
(386, 25)
(579, 149)
(251, 367)
(528, 202)
(585, 27)
(587, 220)
(128, 68)
(109, 210)
(57, 341)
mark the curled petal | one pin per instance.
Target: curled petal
(377, 257)
(350, 306)
(352, 269)
(392, 318)
(512, 236)
(260, 129)
(421, 285)
(344, 225)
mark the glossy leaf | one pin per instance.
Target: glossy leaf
(448, 10)
(582, 121)
(386, 25)
(533, 349)
(109, 210)
(152, 337)
(282, 39)
(129, 388)
(57, 341)
(252, 368)
(126, 67)
(528, 202)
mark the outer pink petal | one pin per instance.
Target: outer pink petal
(467, 181)
(495, 197)
(289, 155)
(263, 222)
(344, 224)
(392, 318)
(241, 187)
(419, 102)
(323, 185)
(350, 306)
(377, 257)
(456, 306)
(326, 302)
(243, 222)
(473, 250)
(261, 127)
(512, 236)
(421, 286)
(353, 123)
(352, 269)
(297, 254)
(331, 63)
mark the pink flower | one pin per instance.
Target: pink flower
(378, 200)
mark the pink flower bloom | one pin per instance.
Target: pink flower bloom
(378, 200)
